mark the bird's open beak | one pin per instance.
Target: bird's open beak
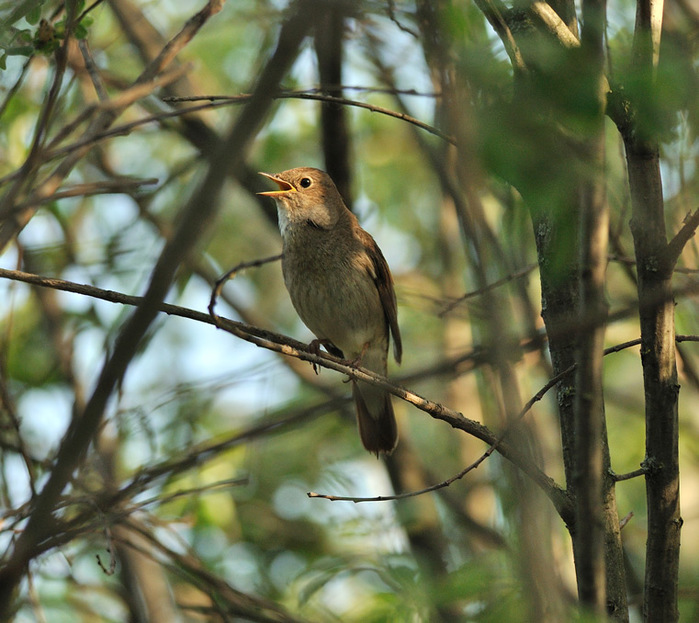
(284, 187)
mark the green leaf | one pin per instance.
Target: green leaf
(20, 50)
(20, 10)
(80, 31)
(34, 15)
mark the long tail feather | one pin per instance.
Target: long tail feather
(375, 418)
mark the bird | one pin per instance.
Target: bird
(341, 287)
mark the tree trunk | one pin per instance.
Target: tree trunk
(657, 310)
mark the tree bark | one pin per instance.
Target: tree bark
(589, 397)
(655, 261)
(329, 46)
(661, 388)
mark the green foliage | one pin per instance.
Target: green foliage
(43, 36)
(209, 445)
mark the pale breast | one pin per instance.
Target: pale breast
(334, 295)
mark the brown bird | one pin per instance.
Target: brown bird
(342, 289)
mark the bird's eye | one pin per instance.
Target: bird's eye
(305, 182)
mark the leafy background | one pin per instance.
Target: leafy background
(191, 504)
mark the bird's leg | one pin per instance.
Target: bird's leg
(314, 347)
(356, 362)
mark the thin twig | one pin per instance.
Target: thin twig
(92, 71)
(391, 10)
(94, 5)
(400, 496)
(231, 274)
(516, 275)
(33, 159)
(624, 520)
(119, 186)
(630, 261)
(641, 471)
(12, 91)
(320, 97)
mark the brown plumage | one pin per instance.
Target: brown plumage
(341, 287)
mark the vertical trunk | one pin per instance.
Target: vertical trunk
(560, 294)
(329, 47)
(660, 384)
(589, 402)
(655, 265)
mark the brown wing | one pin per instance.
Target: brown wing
(384, 284)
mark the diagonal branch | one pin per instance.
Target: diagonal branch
(682, 237)
(554, 24)
(293, 348)
(445, 483)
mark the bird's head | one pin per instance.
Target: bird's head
(305, 196)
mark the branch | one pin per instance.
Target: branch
(554, 24)
(230, 601)
(682, 237)
(591, 452)
(284, 345)
(125, 185)
(641, 471)
(493, 11)
(120, 504)
(334, 127)
(320, 97)
(530, 403)
(231, 274)
(523, 272)
(657, 320)
(287, 346)
(33, 159)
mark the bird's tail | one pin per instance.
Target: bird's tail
(375, 417)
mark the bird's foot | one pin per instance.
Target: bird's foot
(314, 348)
(356, 362)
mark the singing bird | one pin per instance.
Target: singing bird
(341, 287)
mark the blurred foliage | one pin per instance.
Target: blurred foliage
(246, 434)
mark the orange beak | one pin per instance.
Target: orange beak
(284, 187)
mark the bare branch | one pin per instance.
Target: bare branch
(554, 24)
(530, 403)
(123, 185)
(591, 452)
(231, 274)
(641, 471)
(92, 71)
(284, 345)
(496, 284)
(682, 237)
(320, 97)
(493, 11)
